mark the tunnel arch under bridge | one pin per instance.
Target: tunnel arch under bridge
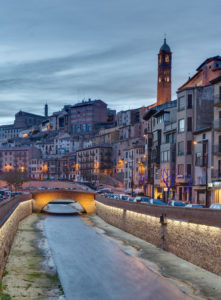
(84, 198)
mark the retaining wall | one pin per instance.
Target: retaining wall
(197, 241)
(11, 213)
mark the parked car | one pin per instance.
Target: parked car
(194, 205)
(215, 206)
(102, 191)
(142, 199)
(131, 199)
(123, 197)
(176, 203)
(157, 202)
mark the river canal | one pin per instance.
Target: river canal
(91, 265)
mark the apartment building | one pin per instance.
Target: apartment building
(195, 116)
(86, 114)
(135, 177)
(160, 150)
(17, 158)
(94, 161)
(216, 162)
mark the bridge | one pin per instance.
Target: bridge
(43, 197)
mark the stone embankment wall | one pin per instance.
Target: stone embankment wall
(192, 234)
(11, 213)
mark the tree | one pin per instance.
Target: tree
(143, 178)
(14, 178)
(169, 179)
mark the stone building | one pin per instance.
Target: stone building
(94, 161)
(86, 115)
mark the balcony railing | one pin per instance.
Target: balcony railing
(217, 149)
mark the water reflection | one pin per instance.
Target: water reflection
(62, 207)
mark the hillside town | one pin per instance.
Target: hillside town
(168, 150)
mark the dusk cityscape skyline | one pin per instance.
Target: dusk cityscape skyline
(63, 54)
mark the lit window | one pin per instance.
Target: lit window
(159, 79)
(181, 125)
(167, 58)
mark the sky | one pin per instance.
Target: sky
(64, 51)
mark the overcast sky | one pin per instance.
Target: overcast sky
(62, 51)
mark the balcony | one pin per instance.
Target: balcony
(217, 125)
(217, 149)
(217, 100)
(216, 174)
(170, 126)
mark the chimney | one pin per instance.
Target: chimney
(46, 110)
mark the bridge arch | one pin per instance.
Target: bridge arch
(84, 198)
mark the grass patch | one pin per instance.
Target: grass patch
(4, 296)
(4, 273)
(28, 286)
(34, 275)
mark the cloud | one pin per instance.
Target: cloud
(65, 51)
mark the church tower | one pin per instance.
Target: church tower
(164, 74)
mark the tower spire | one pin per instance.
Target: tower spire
(164, 74)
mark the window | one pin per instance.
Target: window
(181, 103)
(180, 194)
(189, 124)
(78, 128)
(167, 58)
(181, 125)
(181, 148)
(181, 169)
(188, 170)
(165, 156)
(189, 101)
(89, 127)
(73, 128)
(219, 168)
(155, 136)
(189, 147)
(160, 119)
(84, 127)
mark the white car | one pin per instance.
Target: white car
(215, 206)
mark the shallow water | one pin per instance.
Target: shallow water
(92, 266)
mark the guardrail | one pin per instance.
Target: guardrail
(203, 216)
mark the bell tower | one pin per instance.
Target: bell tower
(164, 74)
